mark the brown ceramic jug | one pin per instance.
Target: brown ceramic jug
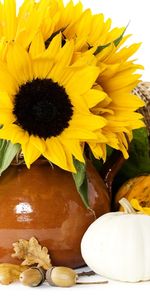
(43, 202)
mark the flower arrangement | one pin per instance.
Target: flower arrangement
(65, 84)
(66, 96)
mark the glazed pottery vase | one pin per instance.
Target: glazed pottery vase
(43, 202)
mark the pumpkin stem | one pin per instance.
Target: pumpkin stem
(127, 206)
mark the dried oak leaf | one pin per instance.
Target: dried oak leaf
(10, 273)
(32, 253)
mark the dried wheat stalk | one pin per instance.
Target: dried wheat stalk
(143, 91)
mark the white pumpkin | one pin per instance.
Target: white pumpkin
(117, 245)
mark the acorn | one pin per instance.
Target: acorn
(33, 276)
(61, 276)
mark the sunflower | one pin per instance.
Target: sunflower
(45, 102)
(120, 106)
(117, 75)
(35, 28)
(73, 21)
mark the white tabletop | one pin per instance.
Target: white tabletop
(112, 290)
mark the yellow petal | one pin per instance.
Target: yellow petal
(136, 124)
(54, 152)
(25, 8)
(10, 19)
(63, 60)
(109, 71)
(124, 116)
(26, 34)
(98, 110)
(74, 147)
(32, 16)
(19, 64)
(7, 82)
(124, 151)
(96, 150)
(30, 152)
(112, 140)
(93, 97)
(85, 19)
(97, 26)
(54, 47)
(79, 43)
(121, 82)
(48, 26)
(65, 54)
(101, 137)
(66, 74)
(3, 46)
(80, 60)
(41, 9)
(125, 101)
(42, 67)
(105, 53)
(114, 34)
(70, 163)
(78, 133)
(6, 116)
(37, 46)
(124, 53)
(13, 133)
(90, 121)
(82, 80)
(5, 101)
(39, 143)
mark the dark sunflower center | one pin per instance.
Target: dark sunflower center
(42, 108)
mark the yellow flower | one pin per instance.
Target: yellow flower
(117, 75)
(117, 72)
(86, 29)
(45, 101)
(117, 79)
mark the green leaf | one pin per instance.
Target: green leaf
(100, 48)
(139, 158)
(80, 180)
(7, 154)
(116, 42)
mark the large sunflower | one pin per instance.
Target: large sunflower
(117, 75)
(45, 101)
(91, 34)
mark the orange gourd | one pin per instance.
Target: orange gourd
(136, 188)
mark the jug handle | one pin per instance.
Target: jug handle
(111, 168)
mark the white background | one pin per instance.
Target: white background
(121, 12)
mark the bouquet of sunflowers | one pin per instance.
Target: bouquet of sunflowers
(66, 81)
